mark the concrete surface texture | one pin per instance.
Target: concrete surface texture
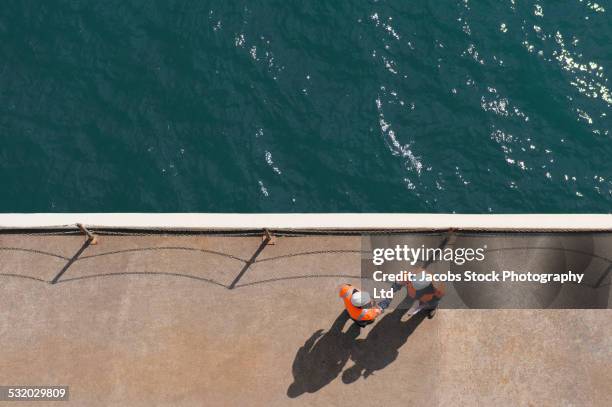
(189, 321)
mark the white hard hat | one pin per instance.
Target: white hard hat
(360, 298)
(420, 282)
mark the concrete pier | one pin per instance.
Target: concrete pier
(198, 320)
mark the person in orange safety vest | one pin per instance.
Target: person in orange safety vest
(359, 306)
(426, 295)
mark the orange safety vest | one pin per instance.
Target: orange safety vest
(356, 313)
(435, 294)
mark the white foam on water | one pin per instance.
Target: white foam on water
(263, 188)
(397, 148)
(270, 162)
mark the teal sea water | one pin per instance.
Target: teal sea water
(305, 106)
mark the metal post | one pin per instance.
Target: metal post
(268, 237)
(93, 239)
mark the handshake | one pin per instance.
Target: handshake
(384, 304)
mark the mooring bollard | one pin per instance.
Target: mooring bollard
(93, 239)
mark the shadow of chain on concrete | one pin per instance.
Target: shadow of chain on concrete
(600, 281)
(78, 256)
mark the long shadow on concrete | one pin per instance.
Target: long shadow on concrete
(322, 357)
(381, 347)
(71, 262)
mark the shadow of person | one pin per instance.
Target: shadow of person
(322, 357)
(381, 347)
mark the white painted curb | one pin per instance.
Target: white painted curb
(221, 221)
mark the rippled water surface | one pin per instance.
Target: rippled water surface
(304, 106)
